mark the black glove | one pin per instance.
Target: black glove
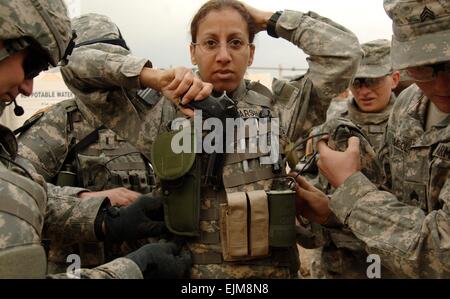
(160, 260)
(142, 219)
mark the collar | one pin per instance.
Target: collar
(364, 118)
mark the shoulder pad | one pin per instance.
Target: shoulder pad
(31, 121)
(260, 88)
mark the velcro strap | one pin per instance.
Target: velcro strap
(376, 129)
(14, 207)
(209, 238)
(206, 258)
(236, 224)
(209, 215)
(235, 180)
(124, 166)
(259, 221)
(237, 158)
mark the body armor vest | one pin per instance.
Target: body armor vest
(239, 198)
(22, 210)
(106, 161)
(98, 159)
(372, 124)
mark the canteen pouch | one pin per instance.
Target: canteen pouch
(180, 175)
(282, 218)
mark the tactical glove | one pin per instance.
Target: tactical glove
(142, 219)
(161, 260)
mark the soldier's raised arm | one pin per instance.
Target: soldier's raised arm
(333, 53)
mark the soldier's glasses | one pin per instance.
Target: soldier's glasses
(213, 46)
(34, 63)
(35, 60)
(368, 82)
(428, 72)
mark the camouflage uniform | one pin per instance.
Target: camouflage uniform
(24, 208)
(55, 133)
(409, 227)
(299, 105)
(344, 256)
(375, 64)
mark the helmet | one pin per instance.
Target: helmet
(44, 23)
(96, 28)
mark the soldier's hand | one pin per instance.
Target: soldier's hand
(311, 203)
(261, 18)
(119, 197)
(142, 219)
(337, 167)
(162, 260)
(180, 85)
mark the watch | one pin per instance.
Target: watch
(272, 24)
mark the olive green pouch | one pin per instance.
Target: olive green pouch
(180, 176)
(282, 218)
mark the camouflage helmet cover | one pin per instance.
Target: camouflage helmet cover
(376, 62)
(94, 26)
(421, 32)
(44, 22)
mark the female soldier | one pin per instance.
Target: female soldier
(222, 47)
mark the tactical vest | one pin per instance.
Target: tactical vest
(228, 222)
(372, 124)
(98, 159)
(105, 161)
(22, 210)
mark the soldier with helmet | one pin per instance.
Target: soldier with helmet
(407, 227)
(36, 34)
(81, 152)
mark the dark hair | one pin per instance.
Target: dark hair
(219, 5)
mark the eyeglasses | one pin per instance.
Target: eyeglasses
(212, 46)
(34, 63)
(368, 82)
(428, 72)
(35, 60)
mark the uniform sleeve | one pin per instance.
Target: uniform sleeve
(70, 220)
(106, 84)
(410, 243)
(334, 55)
(121, 268)
(103, 68)
(334, 51)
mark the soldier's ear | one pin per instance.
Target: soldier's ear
(395, 79)
(252, 54)
(192, 50)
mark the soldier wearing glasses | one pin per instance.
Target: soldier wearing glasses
(408, 227)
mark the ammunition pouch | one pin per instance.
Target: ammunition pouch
(254, 221)
(180, 176)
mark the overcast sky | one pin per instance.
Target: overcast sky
(159, 29)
